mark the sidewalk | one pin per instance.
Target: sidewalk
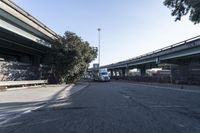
(15, 103)
(34, 94)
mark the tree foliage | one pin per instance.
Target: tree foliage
(69, 59)
(181, 8)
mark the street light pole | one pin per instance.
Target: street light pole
(99, 44)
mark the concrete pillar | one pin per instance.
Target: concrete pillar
(142, 71)
(111, 73)
(125, 72)
(36, 61)
(120, 72)
(36, 69)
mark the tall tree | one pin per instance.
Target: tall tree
(69, 60)
(181, 8)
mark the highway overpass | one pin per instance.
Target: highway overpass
(23, 41)
(182, 57)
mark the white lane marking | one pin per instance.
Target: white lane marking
(12, 124)
(42, 122)
(16, 116)
(20, 114)
(126, 96)
(167, 106)
(181, 125)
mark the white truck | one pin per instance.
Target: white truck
(101, 75)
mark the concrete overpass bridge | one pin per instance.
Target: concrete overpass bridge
(23, 39)
(182, 57)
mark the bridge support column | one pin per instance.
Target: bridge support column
(121, 73)
(117, 73)
(36, 61)
(111, 73)
(125, 72)
(142, 71)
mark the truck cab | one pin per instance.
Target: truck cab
(101, 75)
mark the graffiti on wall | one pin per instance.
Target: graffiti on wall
(13, 71)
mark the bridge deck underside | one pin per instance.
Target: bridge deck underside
(18, 43)
(19, 57)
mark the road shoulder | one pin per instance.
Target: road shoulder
(176, 87)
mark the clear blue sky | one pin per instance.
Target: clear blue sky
(129, 27)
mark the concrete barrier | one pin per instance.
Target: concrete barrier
(6, 84)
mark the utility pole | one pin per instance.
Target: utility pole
(99, 30)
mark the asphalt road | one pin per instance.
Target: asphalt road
(115, 107)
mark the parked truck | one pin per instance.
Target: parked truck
(101, 74)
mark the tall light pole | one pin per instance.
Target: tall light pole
(99, 30)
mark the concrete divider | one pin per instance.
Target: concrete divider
(6, 84)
